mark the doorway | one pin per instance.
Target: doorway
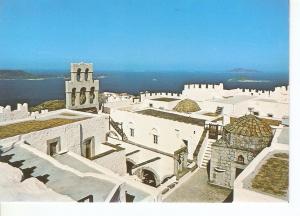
(238, 171)
(87, 149)
(129, 166)
(213, 131)
(53, 149)
(53, 146)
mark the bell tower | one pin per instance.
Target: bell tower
(82, 90)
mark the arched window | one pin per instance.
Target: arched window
(73, 96)
(240, 159)
(82, 96)
(92, 95)
(86, 74)
(78, 74)
(155, 135)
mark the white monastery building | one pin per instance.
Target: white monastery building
(142, 148)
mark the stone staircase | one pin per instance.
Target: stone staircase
(207, 154)
(118, 129)
(200, 143)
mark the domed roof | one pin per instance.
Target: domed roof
(187, 106)
(249, 125)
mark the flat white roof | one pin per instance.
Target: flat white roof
(235, 99)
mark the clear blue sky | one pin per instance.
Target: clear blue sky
(145, 34)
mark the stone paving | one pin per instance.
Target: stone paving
(196, 189)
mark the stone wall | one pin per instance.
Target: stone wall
(255, 144)
(224, 162)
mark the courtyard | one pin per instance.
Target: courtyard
(196, 189)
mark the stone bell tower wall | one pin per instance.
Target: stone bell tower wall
(82, 90)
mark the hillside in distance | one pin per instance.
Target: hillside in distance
(16, 74)
(243, 70)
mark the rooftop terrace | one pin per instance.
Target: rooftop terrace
(33, 125)
(165, 99)
(75, 185)
(273, 176)
(235, 99)
(172, 116)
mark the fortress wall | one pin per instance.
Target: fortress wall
(6, 114)
(203, 92)
(152, 95)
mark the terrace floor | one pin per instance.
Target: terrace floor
(272, 178)
(165, 99)
(33, 125)
(196, 189)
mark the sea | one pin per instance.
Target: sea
(37, 91)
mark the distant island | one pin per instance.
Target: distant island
(246, 79)
(243, 70)
(16, 74)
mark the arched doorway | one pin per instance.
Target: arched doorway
(148, 177)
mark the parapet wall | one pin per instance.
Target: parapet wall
(204, 86)
(202, 92)
(150, 95)
(6, 114)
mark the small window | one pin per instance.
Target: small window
(155, 139)
(194, 132)
(256, 113)
(132, 132)
(270, 115)
(150, 105)
(240, 159)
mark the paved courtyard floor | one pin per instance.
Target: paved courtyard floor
(196, 189)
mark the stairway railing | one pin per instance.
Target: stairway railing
(119, 130)
(197, 150)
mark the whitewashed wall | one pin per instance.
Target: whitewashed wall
(161, 104)
(6, 114)
(170, 133)
(71, 135)
(115, 162)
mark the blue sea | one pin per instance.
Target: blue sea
(36, 91)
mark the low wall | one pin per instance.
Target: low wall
(114, 161)
(6, 114)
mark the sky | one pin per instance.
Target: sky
(143, 35)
